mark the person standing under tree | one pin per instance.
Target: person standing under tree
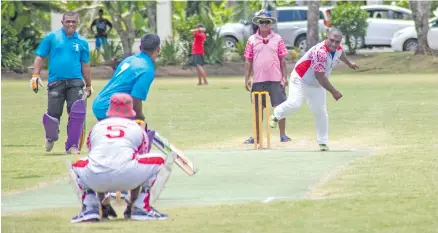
(101, 25)
(265, 55)
(197, 58)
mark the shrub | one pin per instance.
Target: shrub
(170, 53)
(352, 21)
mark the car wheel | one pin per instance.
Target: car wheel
(301, 44)
(230, 42)
(410, 45)
(360, 41)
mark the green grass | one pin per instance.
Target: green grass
(394, 190)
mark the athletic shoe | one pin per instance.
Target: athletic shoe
(127, 213)
(73, 151)
(323, 147)
(86, 216)
(48, 146)
(273, 121)
(142, 215)
(108, 211)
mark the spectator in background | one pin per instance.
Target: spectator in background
(197, 58)
(101, 25)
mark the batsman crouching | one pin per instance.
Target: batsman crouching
(118, 159)
(69, 66)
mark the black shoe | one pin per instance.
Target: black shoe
(108, 211)
(128, 211)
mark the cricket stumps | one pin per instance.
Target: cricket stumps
(260, 101)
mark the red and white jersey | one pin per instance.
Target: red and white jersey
(113, 142)
(317, 59)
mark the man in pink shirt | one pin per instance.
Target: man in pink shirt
(265, 55)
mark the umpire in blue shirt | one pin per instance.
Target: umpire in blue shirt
(69, 81)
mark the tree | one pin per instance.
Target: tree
(352, 21)
(123, 15)
(312, 24)
(420, 14)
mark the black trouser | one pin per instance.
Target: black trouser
(63, 91)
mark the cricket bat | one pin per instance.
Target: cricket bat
(170, 150)
(84, 129)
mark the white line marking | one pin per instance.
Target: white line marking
(269, 199)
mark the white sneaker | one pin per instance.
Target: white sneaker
(73, 151)
(273, 122)
(48, 146)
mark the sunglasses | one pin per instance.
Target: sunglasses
(335, 41)
(265, 22)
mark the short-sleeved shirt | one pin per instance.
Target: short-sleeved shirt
(113, 142)
(133, 76)
(198, 43)
(319, 58)
(66, 54)
(101, 25)
(265, 54)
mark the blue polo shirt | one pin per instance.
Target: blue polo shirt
(133, 76)
(65, 54)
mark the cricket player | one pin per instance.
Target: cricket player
(309, 81)
(69, 66)
(119, 158)
(265, 56)
(134, 76)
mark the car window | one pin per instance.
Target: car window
(291, 15)
(435, 24)
(399, 15)
(378, 14)
(321, 15)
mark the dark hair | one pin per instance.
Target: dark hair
(199, 26)
(100, 11)
(70, 13)
(150, 42)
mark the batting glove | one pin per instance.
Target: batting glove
(88, 91)
(141, 123)
(35, 82)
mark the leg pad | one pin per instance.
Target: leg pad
(51, 126)
(75, 123)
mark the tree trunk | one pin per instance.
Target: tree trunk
(152, 12)
(126, 32)
(420, 14)
(312, 24)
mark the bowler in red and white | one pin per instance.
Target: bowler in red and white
(309, 81)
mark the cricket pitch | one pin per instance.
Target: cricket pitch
(224, 177)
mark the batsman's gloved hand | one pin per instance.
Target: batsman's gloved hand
(141, 123)
(88, 91)
(35, 82)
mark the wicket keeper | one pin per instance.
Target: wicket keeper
(69, 66)
(119, 158)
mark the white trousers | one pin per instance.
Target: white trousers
(141, 171)
(315, 98)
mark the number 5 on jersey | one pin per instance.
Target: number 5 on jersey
(115, 131)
